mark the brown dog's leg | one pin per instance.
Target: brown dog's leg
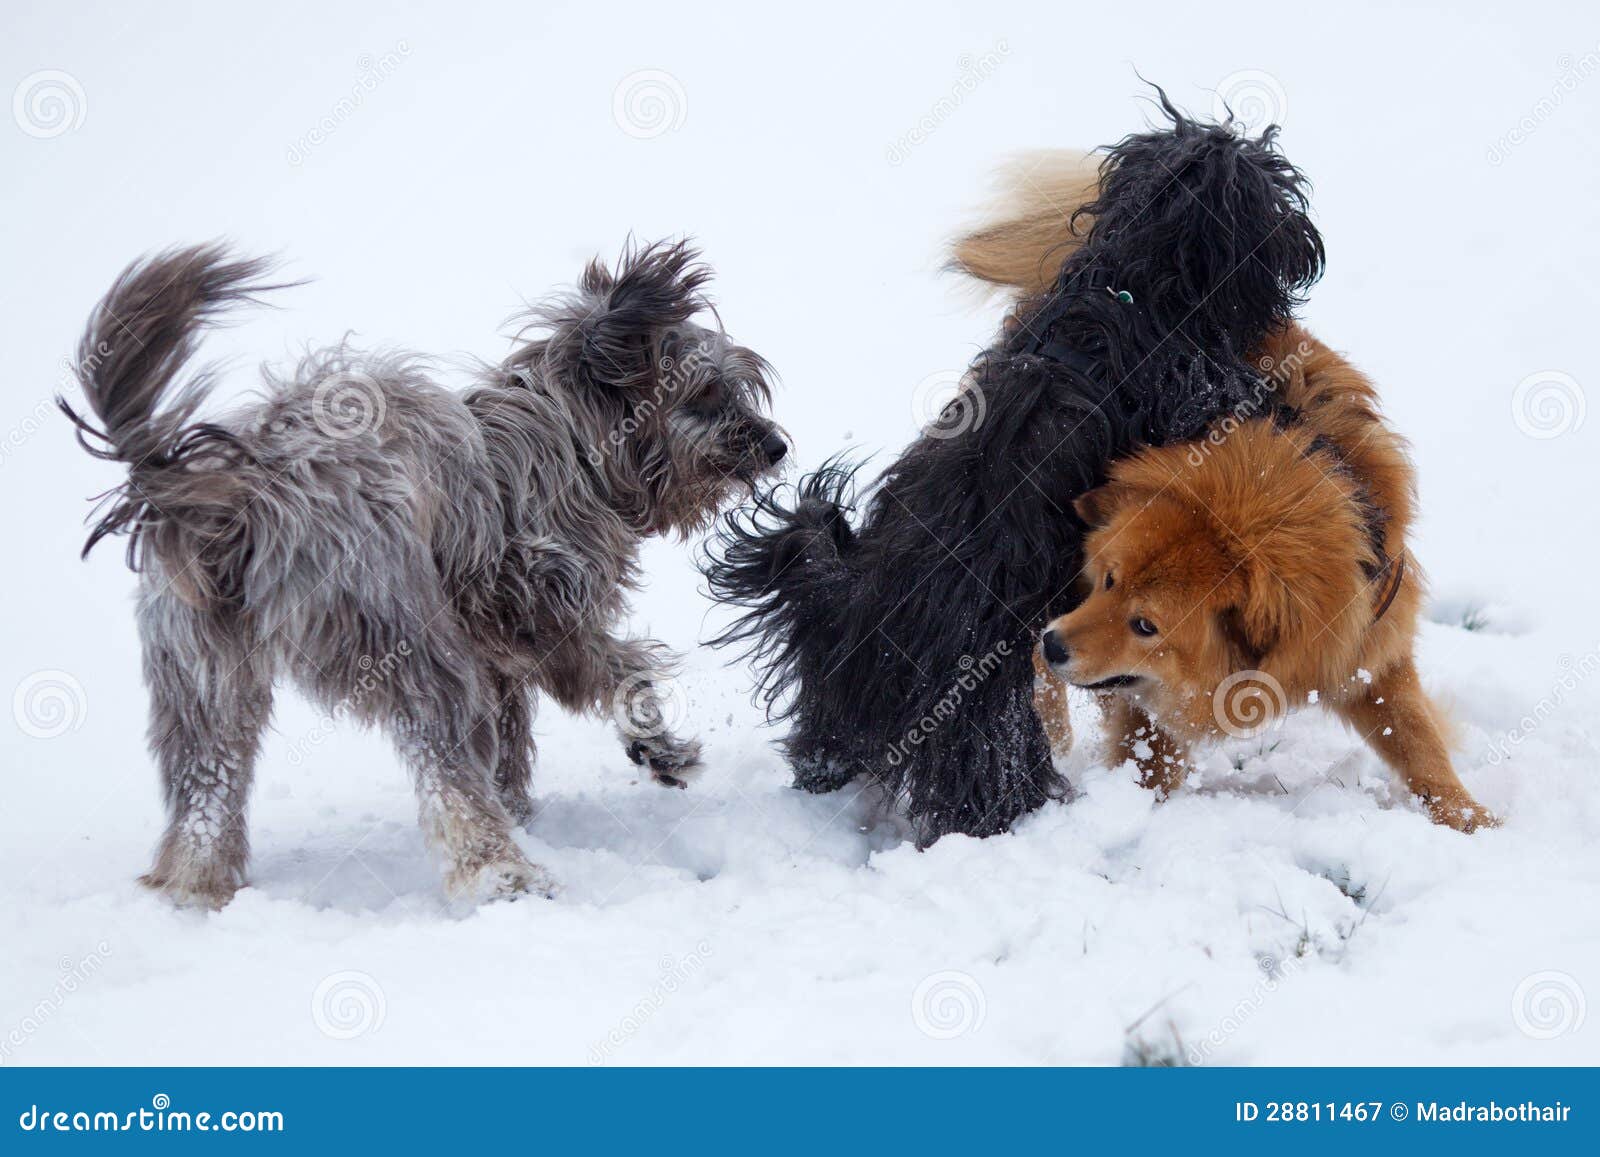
(1162, 761)
(1050, 701)
(1393, 714)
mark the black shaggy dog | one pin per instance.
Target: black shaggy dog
(905, 640)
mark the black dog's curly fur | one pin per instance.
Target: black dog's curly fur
(906, 640)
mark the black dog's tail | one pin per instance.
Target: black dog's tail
(786, 564)
(185, 485)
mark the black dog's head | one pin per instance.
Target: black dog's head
(1200, 219)
(671, 409)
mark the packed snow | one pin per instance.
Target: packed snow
(433, 169)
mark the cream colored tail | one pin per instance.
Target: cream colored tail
(1029, 231)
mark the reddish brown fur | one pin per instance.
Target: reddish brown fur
(1250, 553)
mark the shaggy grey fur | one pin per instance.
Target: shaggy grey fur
(413, 558)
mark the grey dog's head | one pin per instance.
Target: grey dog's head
(672, 410)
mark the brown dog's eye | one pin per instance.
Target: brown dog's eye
(1110, 582)
(1142, 627)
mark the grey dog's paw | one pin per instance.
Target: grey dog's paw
(670, 760)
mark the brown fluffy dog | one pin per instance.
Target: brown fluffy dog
(1231, 579)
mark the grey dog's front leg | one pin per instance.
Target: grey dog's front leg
(646, 707)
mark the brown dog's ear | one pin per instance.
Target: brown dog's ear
(1251, 644)
(1096, 506)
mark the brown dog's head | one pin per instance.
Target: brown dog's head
(1244, 556)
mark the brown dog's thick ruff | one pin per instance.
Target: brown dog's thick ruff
(1231, 579)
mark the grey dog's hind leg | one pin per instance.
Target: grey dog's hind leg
(446, 731)
(209, 702)
(513, 772)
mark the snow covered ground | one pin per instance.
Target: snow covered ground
(434, 166)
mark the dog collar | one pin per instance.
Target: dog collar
(1394, 570)
(1100, 279)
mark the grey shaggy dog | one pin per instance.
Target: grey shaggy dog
(410, 557)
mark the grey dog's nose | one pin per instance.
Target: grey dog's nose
(774, 447)
(1055, 651)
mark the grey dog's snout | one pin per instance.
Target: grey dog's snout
(774, 447)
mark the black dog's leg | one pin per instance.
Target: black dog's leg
(988, 768)
(820, 771)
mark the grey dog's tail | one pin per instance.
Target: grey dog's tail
(187, 480)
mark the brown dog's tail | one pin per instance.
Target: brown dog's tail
(1034, 224)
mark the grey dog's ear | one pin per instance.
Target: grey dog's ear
(605, 334)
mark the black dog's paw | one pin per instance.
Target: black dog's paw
(668, 759)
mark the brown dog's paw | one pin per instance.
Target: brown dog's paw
(1463, 813)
